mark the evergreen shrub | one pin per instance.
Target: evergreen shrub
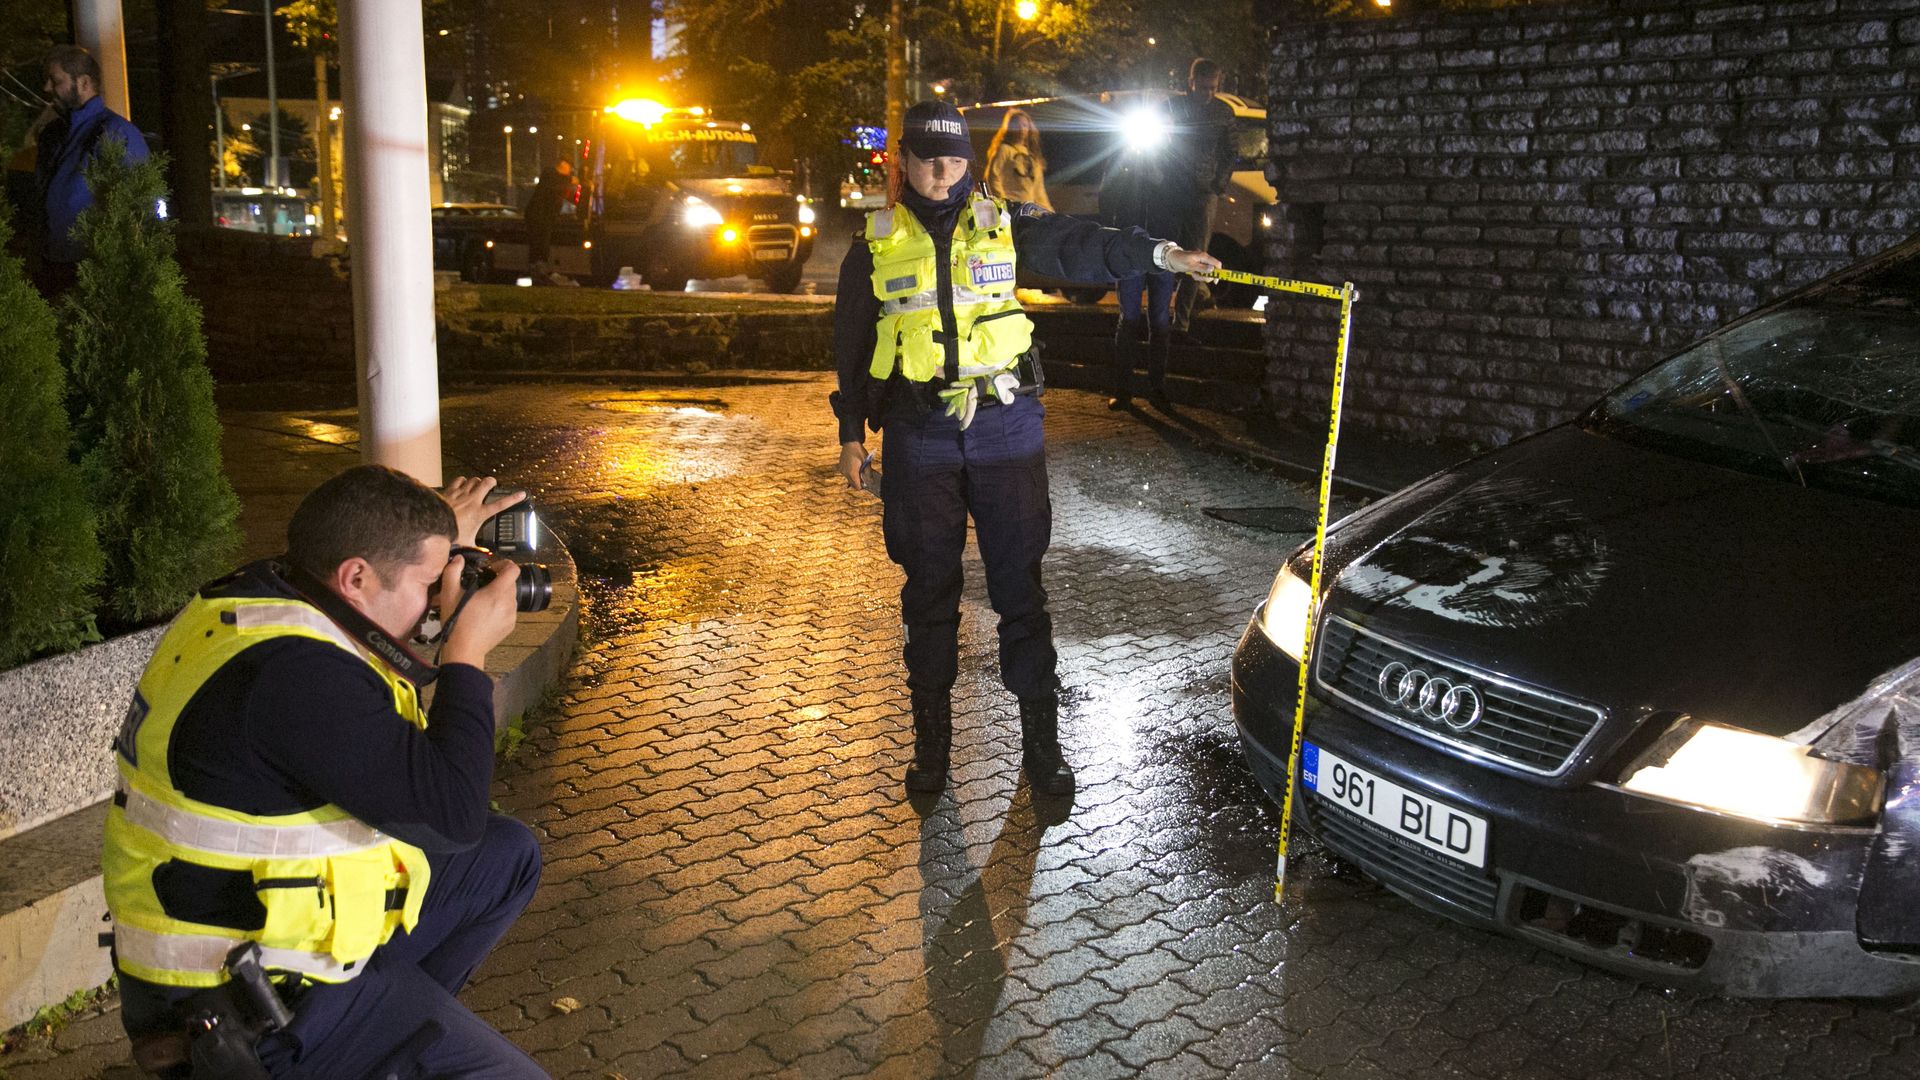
(49, 557)
(142, 402)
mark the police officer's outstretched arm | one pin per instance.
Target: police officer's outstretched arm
(1076, 249)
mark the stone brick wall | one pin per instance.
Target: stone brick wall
(272, 306)
(1539, 201)
(282, 308)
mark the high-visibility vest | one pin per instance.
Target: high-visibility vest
(331, 888)
(992, 330)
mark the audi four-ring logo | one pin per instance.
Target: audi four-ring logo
(1431, 697)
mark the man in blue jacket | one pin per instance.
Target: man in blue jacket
(82, 124)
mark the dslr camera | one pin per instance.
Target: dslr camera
(512, 532)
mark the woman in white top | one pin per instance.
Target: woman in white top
(1016, 166)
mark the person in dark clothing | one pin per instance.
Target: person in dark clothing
(1142, 188)
(933, 348)
(276, 751)
(1203, 146)
(545, 203)
(81, 125)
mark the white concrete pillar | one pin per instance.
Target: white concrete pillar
(99, 28)
(383, 104)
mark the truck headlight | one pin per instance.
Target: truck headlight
(806, 214)
(699, 213)
(1750, 775)
(1288, 608)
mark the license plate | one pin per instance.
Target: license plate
(1428, 822)
(771, 254)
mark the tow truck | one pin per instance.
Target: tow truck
(678, 194)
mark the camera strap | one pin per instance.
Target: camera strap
(360, 628)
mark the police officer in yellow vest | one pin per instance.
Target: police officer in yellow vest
(280, 784)
(933, 347)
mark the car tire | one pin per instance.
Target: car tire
(473, 264)
(1084, 294)
(1233, 257)
(603, 268)
(662, 278)
(785, 278)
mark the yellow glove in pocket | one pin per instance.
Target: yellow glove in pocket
(962, 399)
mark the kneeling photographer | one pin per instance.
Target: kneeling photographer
(300, 860)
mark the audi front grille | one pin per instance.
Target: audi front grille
(1481, 714)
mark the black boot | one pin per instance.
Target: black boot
(1158, 347)
(932, 741)
(1047, 770)
(1126, 357)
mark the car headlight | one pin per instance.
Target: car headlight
(1750, 775)
(806, 214)
(699, 213)
(1146, 130)
(1289, 607)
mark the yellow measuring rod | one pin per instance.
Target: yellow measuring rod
(1346, 294)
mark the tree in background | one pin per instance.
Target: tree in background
(296, 149)
(802, 71)
(49, 557)
(239, 146)
(807, 71)
(28, 28)
(142, 401)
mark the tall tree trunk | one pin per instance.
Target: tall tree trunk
(896, 90)
(186, 113)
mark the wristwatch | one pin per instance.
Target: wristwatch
(1160, 251)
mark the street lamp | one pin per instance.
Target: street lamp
(532, 130)
(506, 133)
(1027, 11)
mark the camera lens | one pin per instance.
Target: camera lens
(534, 590)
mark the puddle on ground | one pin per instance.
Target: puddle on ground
(1280, 519)
(674, 405)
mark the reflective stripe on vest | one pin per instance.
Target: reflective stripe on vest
(962, 296)
(184, 828)
(993, 331)
(327, 882)
(256, 617)
(208, 954)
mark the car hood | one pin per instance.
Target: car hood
(721, 190)
(1638, 581)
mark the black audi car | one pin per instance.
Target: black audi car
(1643, 688)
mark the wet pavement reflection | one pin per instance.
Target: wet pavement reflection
(736, 885)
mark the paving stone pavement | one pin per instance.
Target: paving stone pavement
(735, 886)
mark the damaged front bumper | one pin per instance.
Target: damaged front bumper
(1664, 893)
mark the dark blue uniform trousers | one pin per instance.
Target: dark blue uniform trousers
(936, 475)
(351, 1030)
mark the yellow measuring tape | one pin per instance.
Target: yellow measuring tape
(1346, 294)
(1328, 292)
